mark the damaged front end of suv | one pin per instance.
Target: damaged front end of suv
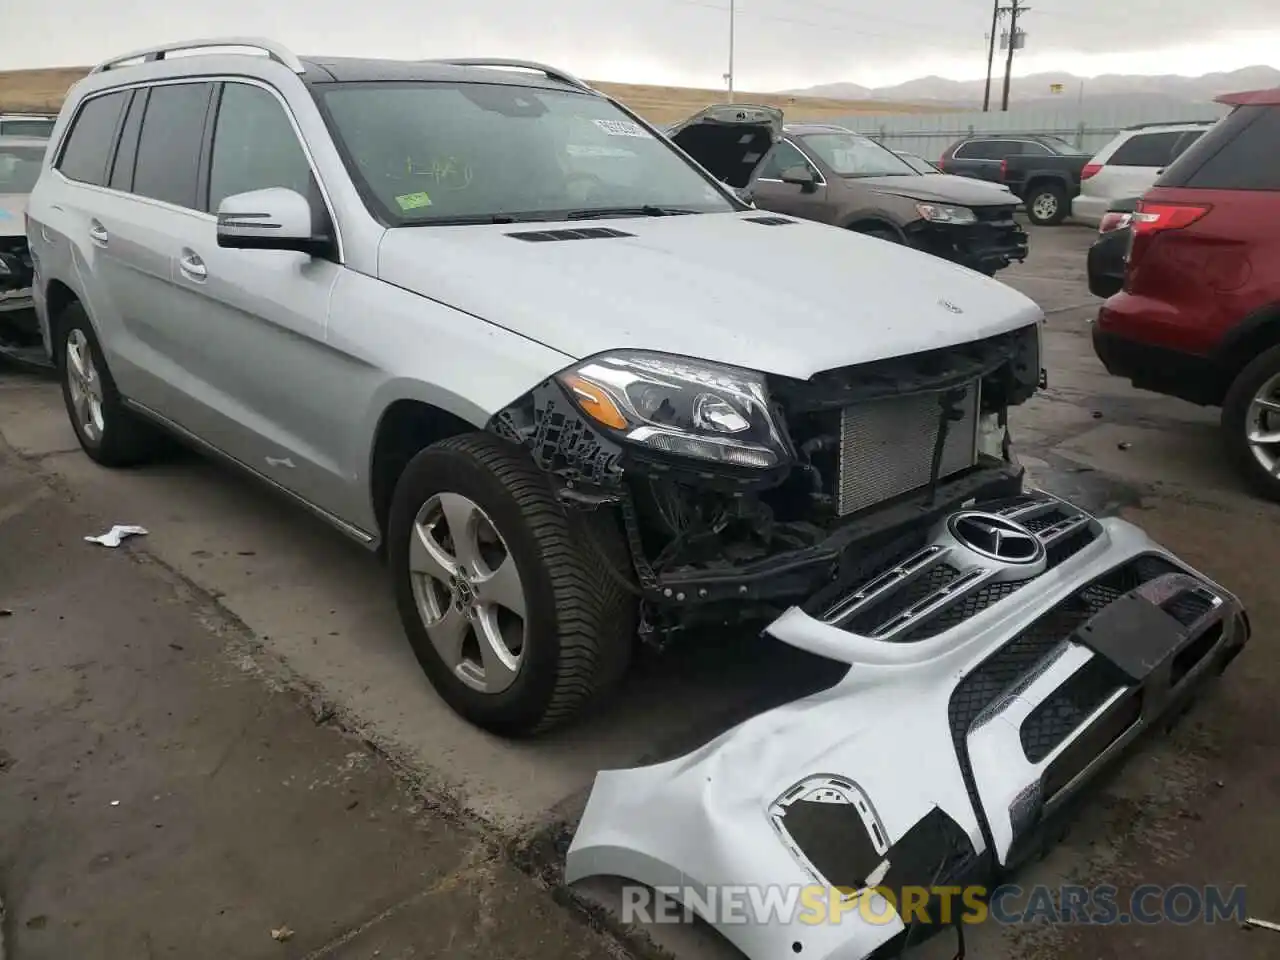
(741, 493)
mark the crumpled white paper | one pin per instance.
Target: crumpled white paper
(116, 534)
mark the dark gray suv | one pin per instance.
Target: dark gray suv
(833, 175)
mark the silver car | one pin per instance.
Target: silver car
(20, 164)
(488, 322)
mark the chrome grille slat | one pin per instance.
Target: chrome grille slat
(866, 595)
(886, 446)
(1062, 529)
(938, 587)
(936, 602)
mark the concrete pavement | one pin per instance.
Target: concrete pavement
(317, 619)
(162, 798)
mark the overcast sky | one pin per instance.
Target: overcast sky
(780, 43)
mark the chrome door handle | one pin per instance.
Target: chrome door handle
(98, 233)
(191, 265)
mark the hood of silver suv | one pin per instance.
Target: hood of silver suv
(791, 299)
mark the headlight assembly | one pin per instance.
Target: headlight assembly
(679, 406)
(942, 213)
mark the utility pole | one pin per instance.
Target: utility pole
(991, 53)
(729, 75)
(1014, 11)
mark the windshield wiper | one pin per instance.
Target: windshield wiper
(646, 210)
(471, 219)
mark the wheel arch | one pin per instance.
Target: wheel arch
(865, 222)
(406, 425)
(1258, 332)
(57, 297)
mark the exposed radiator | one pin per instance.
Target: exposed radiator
(886, 446)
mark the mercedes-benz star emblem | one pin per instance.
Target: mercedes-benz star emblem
(996, 538)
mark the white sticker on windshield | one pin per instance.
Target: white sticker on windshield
(622, 128)
(596, 150)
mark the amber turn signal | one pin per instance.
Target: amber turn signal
(595, 402)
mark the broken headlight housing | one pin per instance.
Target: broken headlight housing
(679, 406)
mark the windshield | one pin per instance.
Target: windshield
(849, 155)
(19, 168)
(918, 164)
(427, 153)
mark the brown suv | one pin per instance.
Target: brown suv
(827, 173)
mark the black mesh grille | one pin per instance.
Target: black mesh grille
(1067, 707)
(1187, 607)
(982, 685)
(986, 214)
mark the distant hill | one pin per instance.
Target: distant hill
(44, 90)
(1035, 89)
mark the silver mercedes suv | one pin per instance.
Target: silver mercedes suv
(485, 320)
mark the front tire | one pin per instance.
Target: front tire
(1047, 205)
(1251, 424)
(110, 433)
(501, 591)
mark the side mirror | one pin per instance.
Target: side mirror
(801, 177)
(273, 219)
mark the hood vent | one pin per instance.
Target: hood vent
(769, 221)
(583, 233)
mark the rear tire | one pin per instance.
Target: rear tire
(1243, 414)
(1047, 205)
(110, 433)
(576, 624)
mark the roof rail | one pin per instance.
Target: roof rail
(277, 52)
(552, 73)
(1171, 123)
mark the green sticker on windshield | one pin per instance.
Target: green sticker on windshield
(412, 201)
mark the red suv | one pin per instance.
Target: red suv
(1199, 313)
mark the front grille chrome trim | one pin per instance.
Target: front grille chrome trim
(964, 584)
(908, 570)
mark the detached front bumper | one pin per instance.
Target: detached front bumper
(984, 695)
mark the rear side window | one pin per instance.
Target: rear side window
(1031, 148)
(89, 145)
(254, 146)
(168, 162)
(1145, 150)
(1239, 153)
(980, 150)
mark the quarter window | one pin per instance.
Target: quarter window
(254, 146)
(1145, 150)
(88, 148)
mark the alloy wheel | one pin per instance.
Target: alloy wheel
(1262, 425)
(1045, 206)
(468, 592)
(85, 387)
